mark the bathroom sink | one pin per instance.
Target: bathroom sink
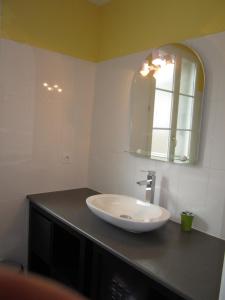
(128, 213)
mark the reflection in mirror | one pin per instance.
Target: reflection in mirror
(166, 105)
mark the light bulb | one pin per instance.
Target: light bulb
(60, 90)
(50, 88)
(56, 86)
(159, 62)
(45, 84)
(144, 73)
(145, 69)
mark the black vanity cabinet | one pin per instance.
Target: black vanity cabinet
(61, 253)
(68, 243)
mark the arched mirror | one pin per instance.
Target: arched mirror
(166, 105)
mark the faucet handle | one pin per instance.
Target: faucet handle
(150, 173)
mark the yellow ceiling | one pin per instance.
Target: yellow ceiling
(70, 26)
(129, 26)
(99, 2)
(82, 29)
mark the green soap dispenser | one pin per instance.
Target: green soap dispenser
(186, 220)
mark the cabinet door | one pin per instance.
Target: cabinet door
(40, 236)
(68, 260)
(57, 251)
(113, 279)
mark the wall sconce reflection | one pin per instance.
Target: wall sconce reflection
(52, 88)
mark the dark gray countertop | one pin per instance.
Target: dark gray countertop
(189, 264)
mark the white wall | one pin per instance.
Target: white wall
(200, 188)
(37, 128)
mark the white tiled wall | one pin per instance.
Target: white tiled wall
(37, 129)
(199, 188)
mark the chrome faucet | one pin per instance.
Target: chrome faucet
(150, 186)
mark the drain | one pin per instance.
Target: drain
(126, 217)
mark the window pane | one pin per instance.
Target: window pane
(188, 74)
(160, 143)
(164, 77)
(185, 111)
(162, 109)
(182, 148)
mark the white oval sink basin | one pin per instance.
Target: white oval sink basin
(128, 213)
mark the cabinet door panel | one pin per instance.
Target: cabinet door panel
(40, 236)
(113, 279)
